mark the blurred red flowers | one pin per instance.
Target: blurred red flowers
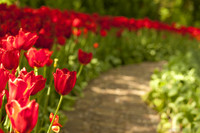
(64, 81)
(95, 45)
(83, 57)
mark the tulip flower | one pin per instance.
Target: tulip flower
(77, 23)
(83, 57)
(56, 126)
(61, 40)
(23, 117)
(7, 42)
(25, 40)
(103, 32)
(10, 59)
(38, 58)
(76, 32)
(21, 41)
(1, 54)
(96, 45)
(18, 89)
(4, 78)
(35, 83)
(1, 131)
(64, 81)
(1, 97)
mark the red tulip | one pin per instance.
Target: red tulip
(61, 40)
(64, 81)
(76, 32)
(103, 32)
(34, 83)
(96, 45)
(1, 54)
(21, 41)
(38, 58)
(77, 23)
(56, 126)
(83, 57)
(4, 78)
(1, 98)
(18, 89)
(1, 131)
(10, 59)
(23, 117)
(25, 40)
(7, 42)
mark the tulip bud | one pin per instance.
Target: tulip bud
(64, 81)
(83, 57)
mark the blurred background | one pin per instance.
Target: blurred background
(183, 12)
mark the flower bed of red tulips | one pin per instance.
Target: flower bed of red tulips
(53, 24)
(29, 75)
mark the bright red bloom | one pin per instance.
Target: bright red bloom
(1, 131)
(10, 59)
(77, 23)
(34, 83)
(96, 45)
(38, 58)
(7, 42)
(83, 57)
(4, 78)
(18, 89)
(1, 97)
(103, 32)
(21, 41)
(61, 40)
(85, 31)
(56, 126)
(64, 81)
(77, 32)
(25, 40)
(23, 117)
(1, 54)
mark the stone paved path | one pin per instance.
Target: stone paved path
(112, 103)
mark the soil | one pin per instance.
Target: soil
(113, 104)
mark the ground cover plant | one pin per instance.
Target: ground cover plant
(175, 93)
(43, 49)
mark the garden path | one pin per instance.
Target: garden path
(113, 104)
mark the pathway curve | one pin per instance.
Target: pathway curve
(112, 103)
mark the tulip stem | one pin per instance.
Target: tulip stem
(60, 101)
(10, 127)
(6, 123)
(20, 59)
(49, 88)
(79, 72)
(36, 71)
(1, 109)
(44, 71)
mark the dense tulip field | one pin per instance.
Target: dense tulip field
(47, 57)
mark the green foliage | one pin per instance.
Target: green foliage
(8, 2)
(175, 93)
